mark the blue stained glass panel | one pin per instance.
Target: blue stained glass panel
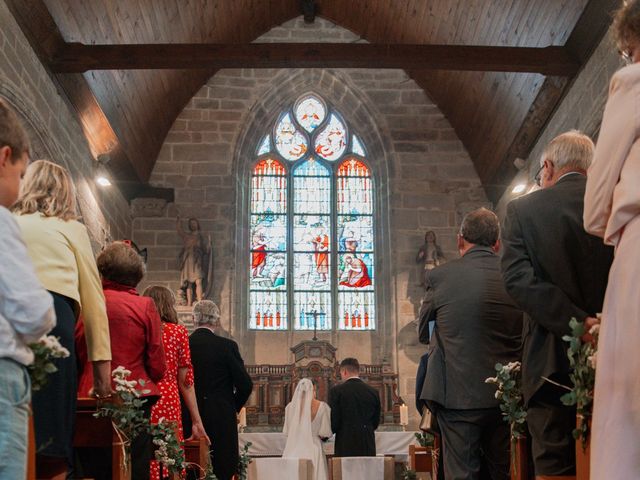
(311, 271)
(290, 143)
(355, 233)
(331, 141)
(312, 168)
(356, 146)
(270, 230)
(268, 310)
(312, 194)
(310, 308)
(311, 235)
(356, 310)
(265, 146)
(310, 113)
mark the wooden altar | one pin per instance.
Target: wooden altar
(273, 385)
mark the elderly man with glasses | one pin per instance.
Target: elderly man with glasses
(222, 387)
(554, 271)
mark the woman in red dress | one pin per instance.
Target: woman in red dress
(179, 376)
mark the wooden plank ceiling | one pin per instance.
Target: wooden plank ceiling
(488, 110)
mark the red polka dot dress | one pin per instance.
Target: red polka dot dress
(175, 339)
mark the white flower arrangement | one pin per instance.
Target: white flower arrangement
(44, 351)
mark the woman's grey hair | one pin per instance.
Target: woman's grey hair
(205, 312)
(572, 149)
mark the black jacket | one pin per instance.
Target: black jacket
(355, 415)
(222, 387)
(477, 325)
(554, 270)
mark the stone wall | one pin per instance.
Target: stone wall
(424, 178)
(55, 131)
(580, 109)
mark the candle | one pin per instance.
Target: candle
(242, 418)
(404, 415)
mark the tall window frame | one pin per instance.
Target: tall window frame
(311, 224)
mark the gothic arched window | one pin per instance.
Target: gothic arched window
(311, 225)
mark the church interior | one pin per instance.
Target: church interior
(315, 149)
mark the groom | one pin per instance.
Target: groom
(355, 413)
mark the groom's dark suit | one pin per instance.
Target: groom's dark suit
(355, 415)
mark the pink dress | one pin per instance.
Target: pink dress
(612, 211)
(176, 348)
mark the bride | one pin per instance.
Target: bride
(306, 422)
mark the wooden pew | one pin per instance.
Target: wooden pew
(196, 452)
(94, 432)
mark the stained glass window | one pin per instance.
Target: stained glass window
(356, 146)
(265, 146)
(311, 231)
(268, 255)
(290, 142)
(310, 113)
(330, 142)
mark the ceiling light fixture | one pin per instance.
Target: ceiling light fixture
(101, 172)
(521, 187)
(103, 181)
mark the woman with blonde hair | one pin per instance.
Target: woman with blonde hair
(60, 250)
(178, 378)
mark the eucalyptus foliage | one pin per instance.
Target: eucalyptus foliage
(582, 358)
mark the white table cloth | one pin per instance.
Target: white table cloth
(362, 468)
(280, 468)
(272, 444)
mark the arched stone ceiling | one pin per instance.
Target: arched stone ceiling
(487, 110)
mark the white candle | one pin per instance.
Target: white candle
(404, 415)
(242, 417)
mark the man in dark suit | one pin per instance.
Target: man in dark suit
(554, 270)
(476, 326)
(222, 387)
(355, 413)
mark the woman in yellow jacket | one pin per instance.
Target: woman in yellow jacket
(60, 250)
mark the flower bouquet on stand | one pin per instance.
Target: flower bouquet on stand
(509, 392)
(582, 358)
(126, 414)
(45, 351)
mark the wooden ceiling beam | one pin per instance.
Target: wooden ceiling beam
(585, 37)
(45, 39)
(78, 57)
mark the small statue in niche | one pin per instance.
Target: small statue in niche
(196, 261)
(430, 255)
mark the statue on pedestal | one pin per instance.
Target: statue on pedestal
(195, 261)
(429, 255)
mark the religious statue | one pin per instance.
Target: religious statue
(430, 254)
(196, 261)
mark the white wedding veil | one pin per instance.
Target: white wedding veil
(297, 422)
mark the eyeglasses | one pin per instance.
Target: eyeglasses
(627, 57)
(538, 177)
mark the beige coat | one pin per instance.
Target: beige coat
(612, 211)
